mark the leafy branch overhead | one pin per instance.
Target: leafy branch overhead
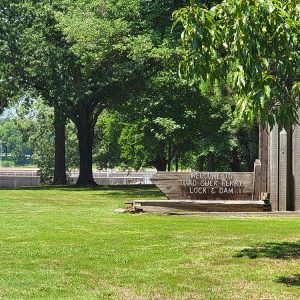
(253, 46)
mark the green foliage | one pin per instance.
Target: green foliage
(9, 30)
(235, 147)
(42, 136)
(253, 46)
(13, 143)
(107, 132)
(134, 145)
(170, 117)
(34, 130)
(72, 152)
(43, 139)
(84, 56)
(116, 59)
(83, 53)
(7, 163)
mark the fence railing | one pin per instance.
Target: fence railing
(20, 178)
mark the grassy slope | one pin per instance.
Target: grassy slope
(68, 243)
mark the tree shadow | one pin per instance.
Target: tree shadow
(135, 187)
(283, 250)
(289, 281)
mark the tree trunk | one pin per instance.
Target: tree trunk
(201, 163)
(160, 164)
(169, 156)
(85, 132)
(211, 161)
(235, 163)
(60, 177)
(177, 163)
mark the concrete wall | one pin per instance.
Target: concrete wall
(18, 181)
(13, 179)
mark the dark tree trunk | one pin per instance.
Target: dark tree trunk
(235, 163)
(250, 159)
(160, 164)
(201, 163)
(177, 163)
(60, 177)
(169, 156)
(211, 161)
(85, 124)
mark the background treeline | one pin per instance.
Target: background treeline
(201, 140)
(99, 86)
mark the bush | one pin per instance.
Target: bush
(8, 164)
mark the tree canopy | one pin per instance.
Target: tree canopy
(253, 48)
(84, 56)
(113, 66)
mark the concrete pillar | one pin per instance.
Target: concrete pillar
(264, 157)
(296, 167)
(257, 180)
(283, 171)
(273, 166)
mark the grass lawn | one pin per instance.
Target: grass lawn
(69, 244)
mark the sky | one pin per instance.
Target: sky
(7, 112)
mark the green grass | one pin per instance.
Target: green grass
(69, 244)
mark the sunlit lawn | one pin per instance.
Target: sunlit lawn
(69, 244)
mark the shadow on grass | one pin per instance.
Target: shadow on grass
(289, 281)
(92, 188)
(283, 250)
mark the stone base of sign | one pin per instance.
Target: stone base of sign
(167, 206)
